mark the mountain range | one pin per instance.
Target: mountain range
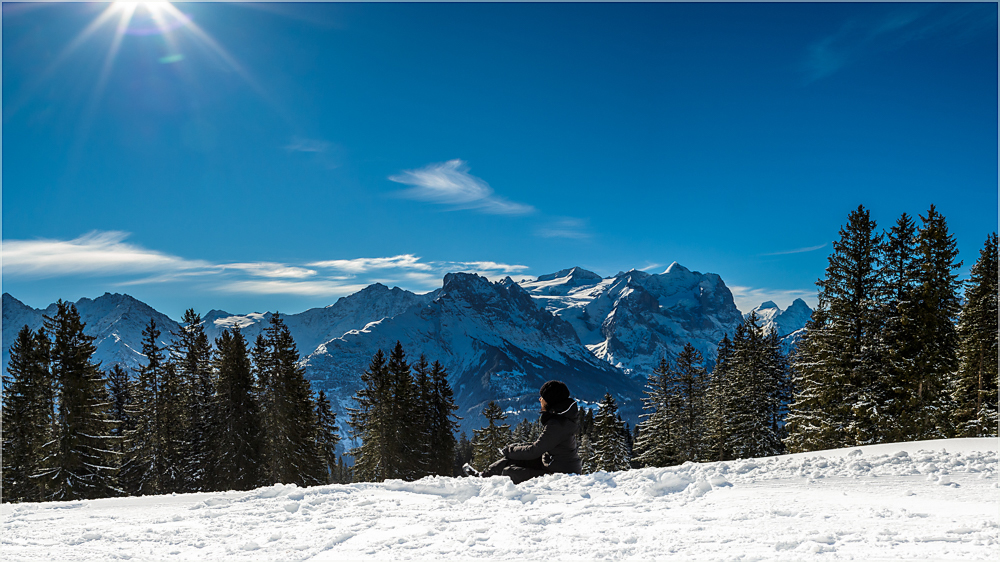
(498, 340)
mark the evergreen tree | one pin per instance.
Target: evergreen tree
(28, 444)
(370, 424)
(289, 450)
(442, 423)
(421, 417)
(120, 391)
(689, 386)
(193, 356)
(757, 392)
(976, 381)
(717, 415)
(83, 462)
(932, 352)
(155, 454)
(655, 441)
(463, 454)
(587, 454)
(836, 371)
(886, 393)
(487, 441)
(405, 419)
(610, 450)
(235, 438)
(327, 439)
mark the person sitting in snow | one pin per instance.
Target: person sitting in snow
(557, 442)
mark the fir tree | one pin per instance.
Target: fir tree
(610, 451)
(193, 356)
(83, 462)
(463, 454)
(976, 381)
(758, 386)
(655, 441)
(487, 441)
(717, 447)
(421, 417)
(405, 419)
(837, 371)
(235, 439)
(932, 351)
(327, 439)
(120, 391)
(886, 403)
(289, 426)
(442, 423)
(28, 443)
(370, 423)
(154, 458)
(688, 414)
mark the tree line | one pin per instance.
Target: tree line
(191, 419)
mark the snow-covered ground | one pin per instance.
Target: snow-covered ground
(926, 500)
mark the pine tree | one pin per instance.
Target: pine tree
(655, 438)
(757, 392)
(463, 454)
(421, 416)
(327, 439)
(83, 463)
(886, 393)
(837, 369)
(610, 452)
(442, 423)
(27, 418)
(976, 381)
(235, 439)
(155, 452)
(370, 423)
(193, 356)
(932, 353)
(689, 387)
(405, 418)
(487, 441)
(289, 426)
(717, 415)
(120, 392)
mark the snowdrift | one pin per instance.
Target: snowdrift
(923, 500)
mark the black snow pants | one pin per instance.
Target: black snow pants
(517, 471)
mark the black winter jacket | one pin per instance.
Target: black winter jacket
(558, 439)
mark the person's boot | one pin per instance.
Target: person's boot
(470, 471)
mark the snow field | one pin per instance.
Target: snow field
(935, 500)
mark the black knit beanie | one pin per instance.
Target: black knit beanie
(556, 394)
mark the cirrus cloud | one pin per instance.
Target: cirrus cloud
(450, 183)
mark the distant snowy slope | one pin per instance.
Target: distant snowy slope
(116, 322)
(318, 325)
(634, 319)
(929, 500)
(495, 340)
(789, 323)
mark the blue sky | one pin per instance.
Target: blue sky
(276, 157)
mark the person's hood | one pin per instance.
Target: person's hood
(571, 412)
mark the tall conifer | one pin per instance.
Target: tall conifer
(235, 439)
(610, 452)
(976, 381)
(488, 441)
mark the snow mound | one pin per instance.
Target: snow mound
(922, 500)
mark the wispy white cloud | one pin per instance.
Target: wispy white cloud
(450, 183)
(317, 288)
(795, 251)
(271, 269)
(300, 144)
(123, 264)
(748, 298)
(856, 40)
(94, 253)
(565, 227)
(362, 265)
